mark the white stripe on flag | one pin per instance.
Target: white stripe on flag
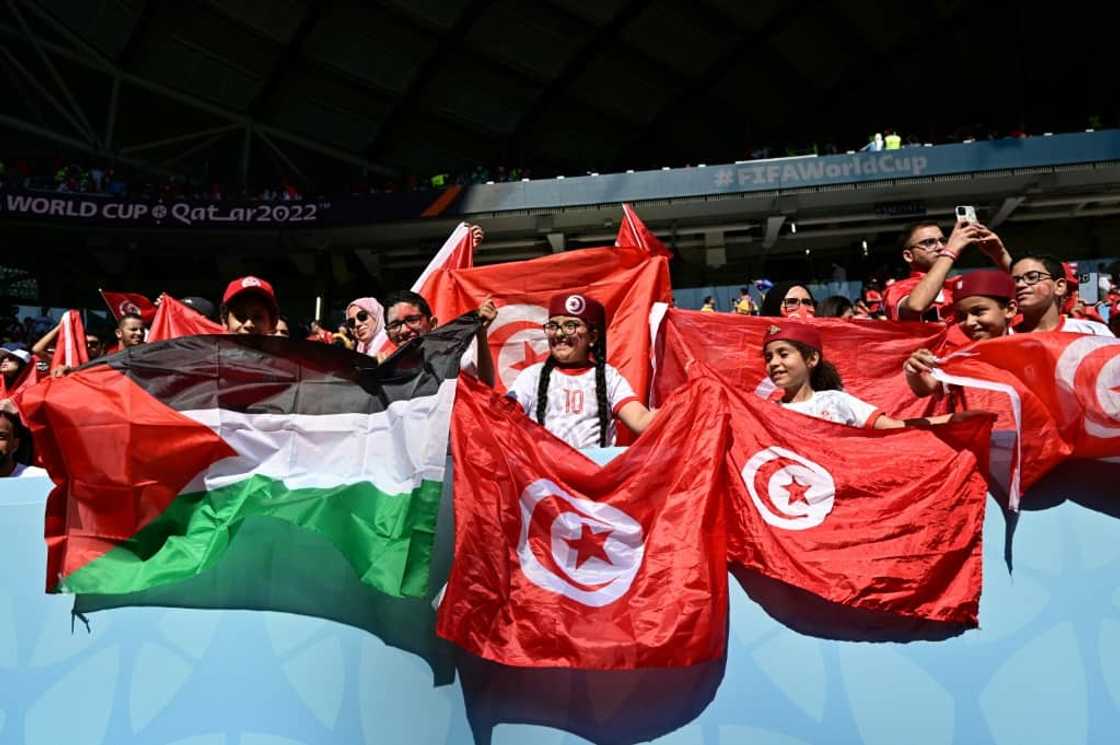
(68, 339)
(1016, 411)
(394, 450)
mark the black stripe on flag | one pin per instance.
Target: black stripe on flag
(273, 375)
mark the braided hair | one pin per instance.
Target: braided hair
(599, 350)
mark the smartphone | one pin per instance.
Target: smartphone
(966, 214)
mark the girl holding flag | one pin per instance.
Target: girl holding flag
(810, 384)
(574, 393)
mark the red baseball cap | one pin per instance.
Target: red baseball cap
(986, 282)
(578, 306)
(254, 285)
(798, 332)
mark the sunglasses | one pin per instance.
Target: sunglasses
(792, 302)
(361, 317)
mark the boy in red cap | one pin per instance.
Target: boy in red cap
(579, 404)
(249, 307)
(985, 307)
(811, 385)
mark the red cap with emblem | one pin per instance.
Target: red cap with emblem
(987, 282)
(798, 332)
(578, 306)
(251, 285)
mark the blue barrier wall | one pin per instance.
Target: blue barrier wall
(1043, 668)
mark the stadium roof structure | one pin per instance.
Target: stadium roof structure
(316, 88)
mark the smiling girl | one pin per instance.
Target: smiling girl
(810, 384)
(575, 394)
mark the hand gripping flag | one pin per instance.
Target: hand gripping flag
(816, 505)
(161, 453)
(70, 344)
(562, 563)
(1063, 392)
(121, 304)
(869, 355)
(174, 319)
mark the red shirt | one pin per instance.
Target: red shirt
(900, 290)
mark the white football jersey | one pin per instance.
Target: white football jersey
(573, 412)
(837, 406)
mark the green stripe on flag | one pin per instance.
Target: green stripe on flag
(386, 538)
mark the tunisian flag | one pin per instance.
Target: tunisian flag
(123, 303)
(560, 562)
(627, 279)
(868, 354)
(70, 344)
(817, 506)
(174, 319)
(1063, 392)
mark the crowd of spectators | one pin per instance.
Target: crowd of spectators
(1018, 295)
(58, 173)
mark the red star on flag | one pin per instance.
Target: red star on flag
(530, 357)
(589, 545)
(796, 491)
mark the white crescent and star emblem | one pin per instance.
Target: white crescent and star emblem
(1100, 400)
(586, 551)
(517, 340)
(789, 490)
(575, 304)
(129, 307)
(250, 282)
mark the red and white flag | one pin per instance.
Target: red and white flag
(633, 233)
(121, 304)
(457, 252)
(1062, 391)
(815, 505)
(560, 562)
(70, 344)
(174, 319)
(868, 355)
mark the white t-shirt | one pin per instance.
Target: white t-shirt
(837, 406)
(22, 471)
(572, 413)
(1076, 326)
(1084, 326)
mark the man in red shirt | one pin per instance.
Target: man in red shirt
(927, 294)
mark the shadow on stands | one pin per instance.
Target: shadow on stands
(609, 707)
(1089, 483)
(272, 565)
(812, 615)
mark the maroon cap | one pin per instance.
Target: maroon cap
(578, 306)
(253, 285)
(987, 282)
(798, 332)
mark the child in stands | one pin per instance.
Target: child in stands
(810, 384)
(575, 394)
(985, 305)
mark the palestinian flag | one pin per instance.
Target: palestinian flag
(163, 453)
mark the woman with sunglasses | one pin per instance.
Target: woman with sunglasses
(574, 393)
(789, 300)
(363, 321)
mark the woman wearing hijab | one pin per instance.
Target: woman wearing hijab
(364, 318)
